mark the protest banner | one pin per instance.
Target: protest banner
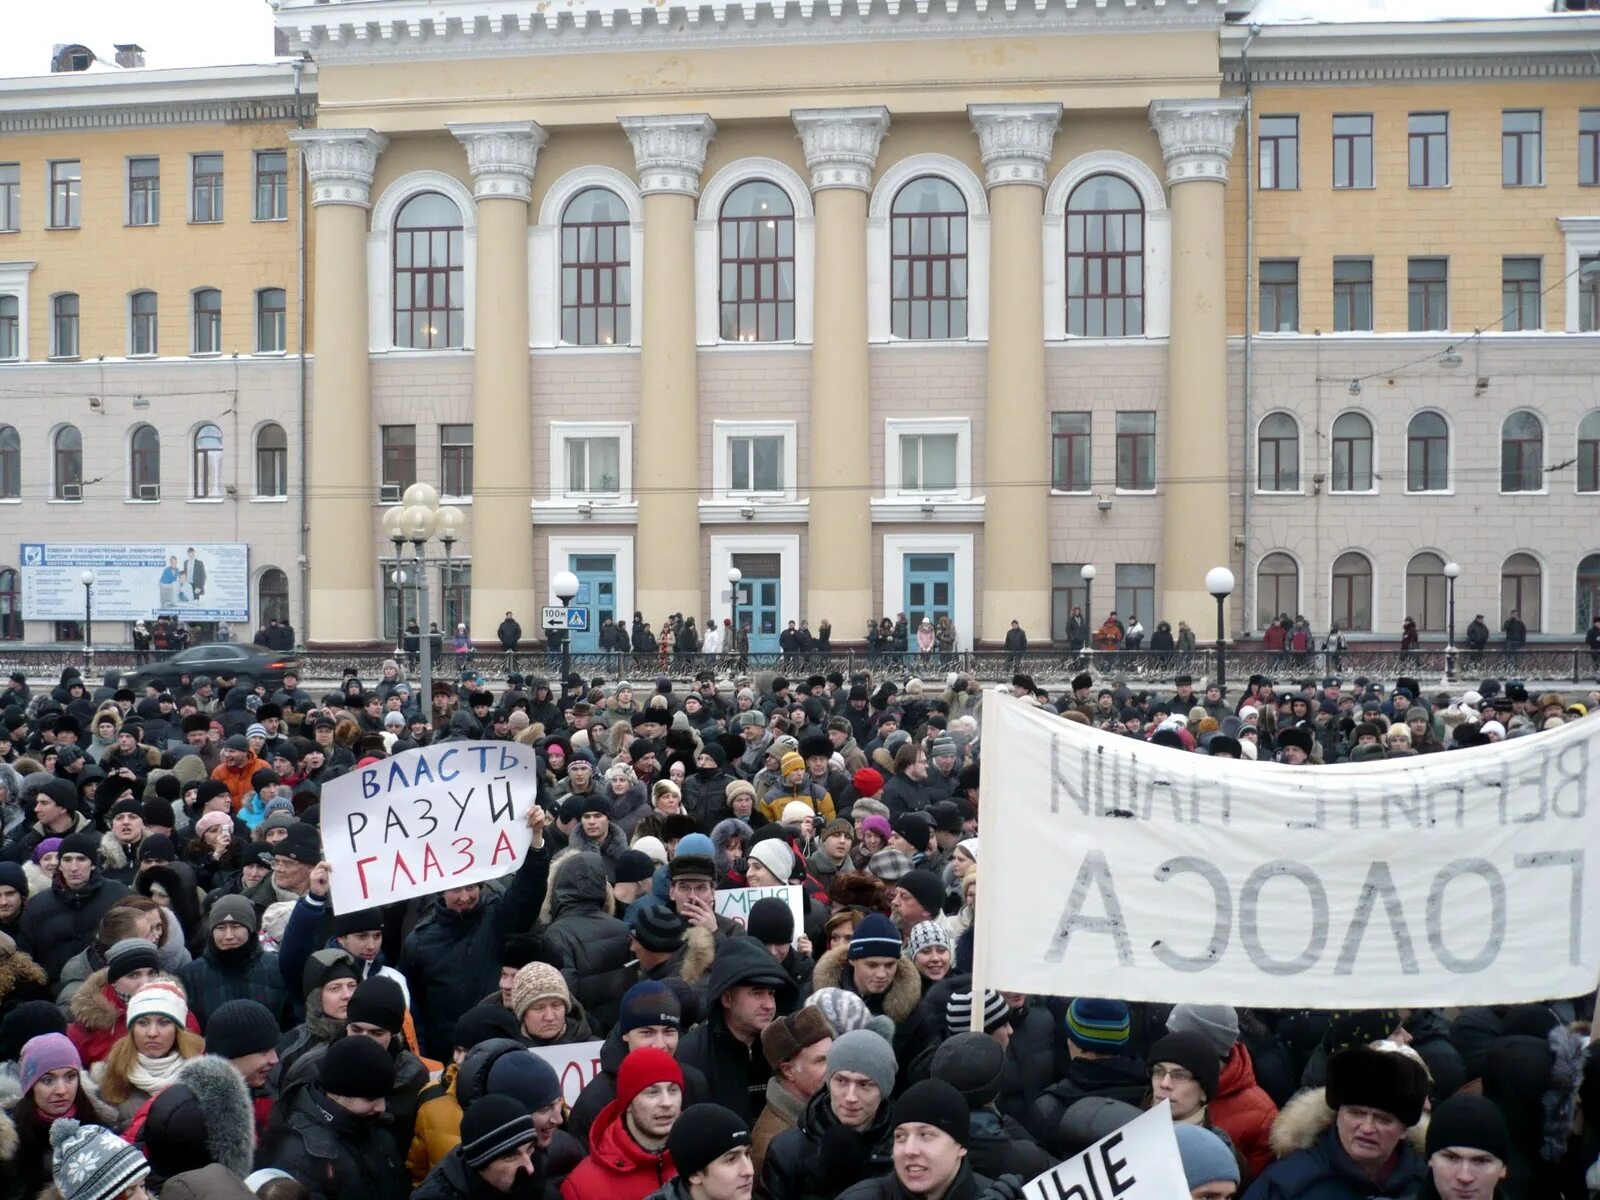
(574, 1065)
(436, 817)
(1140, 1161)
(1439, 880)
(736, 903)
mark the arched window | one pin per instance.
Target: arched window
(1105, 259)
(1522, 454)
(67, 451)
(272, 461)
(144, 464)
(1427, 454)
(1522, 590)
(1278, 454)
(1352, 592)
(596, 282)
(928, 259)
(429, 301)
(207, 321)
(10, 605)
(143, 326)
(64, 325)
(1426, 592)
(272, 596)
(1588, 592)
(1277, 588)
(756, 235)
(207, 463)
(271, 321)
(1352, 453)
(10, 463)
(10, 324)
(1589, 453)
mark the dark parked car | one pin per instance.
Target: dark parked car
(250, 663)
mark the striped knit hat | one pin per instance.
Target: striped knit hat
(958, 1012)
(1099, 1026)
(494, 1125)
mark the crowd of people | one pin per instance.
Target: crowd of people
(185, 1013)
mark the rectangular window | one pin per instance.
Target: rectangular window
(66, 194)
(1352, 151)
(1069, 438)
(272, 185)
(144, 191)
(1136, 451)
(594, 466)
(1519, 293)
(1067, 592)
(270, 322)
(455, 594)
(64, 332)
(1589, 147)
(10, 327)
(455, 460)
(1136, 591)
(1429, 149)
(1280, 295)
(1589, 294)
(207, 321)
(10, 197)
(755, 464)
(1352, 295)
(399, 455)
(1280, 153)
(1522, 147)
(928, 462)
(206, 188)
(1428, 289)
(142, 314)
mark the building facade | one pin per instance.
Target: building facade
(890, 309)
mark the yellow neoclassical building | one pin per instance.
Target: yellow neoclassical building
(916, 307)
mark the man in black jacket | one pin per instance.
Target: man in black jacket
(1098, 1032)
(59, 924)
(452, 958)
(509, 633)
(745, 990)
(585, 932)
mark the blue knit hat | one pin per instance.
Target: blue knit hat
(1099, 1026)
(876, 937)
(1206, 1158)
(649, 1002)
(526, 1078)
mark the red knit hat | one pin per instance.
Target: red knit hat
(867, 782)
(641, 1069)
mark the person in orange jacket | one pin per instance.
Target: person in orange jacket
(237, 769)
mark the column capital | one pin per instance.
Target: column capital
(841, 144)
(501, 156)
(340, 163)
(1014, 141)
(670, 151)
(1196, 137)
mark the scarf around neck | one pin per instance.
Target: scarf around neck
(154, 1075)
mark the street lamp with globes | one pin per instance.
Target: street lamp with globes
(1087, 574)
(565, 587)
(418, 519)
(1219, 582)
(734, 576)
(1452, 572)
(87, 579)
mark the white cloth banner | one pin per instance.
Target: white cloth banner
(1140, 1161)
(1146, 873)
(574, 1065)
(736, 903)
(433, 818)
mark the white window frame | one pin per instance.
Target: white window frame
(728, 506)
(895, 548)
(1157, 243)
(255, 323)
(14, 282)
(191, 446)
(723, 547)
(898, 505)
(1582, 236)
(563, 507)
(544, 259)
(707, 256)
(880, 273)
(54, 348)
(133, 350)
(380, 260)
(194, 323)
(560, 547)
(127, 189)
(221, 217)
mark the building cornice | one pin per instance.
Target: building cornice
(146, 99)
(366, 30)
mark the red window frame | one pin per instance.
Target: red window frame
(1102, 284)
(753, 261)
(595, 281)
(444, 322)
(930, 298)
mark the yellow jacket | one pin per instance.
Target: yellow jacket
(438, 1128)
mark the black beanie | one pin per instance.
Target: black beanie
(702, 1134)
(934, 1102)
(972, 1063)
(241, 1027)
(771, 920)
(31, 1019)
(482, 1022)
(1473, 1122)
(925, 887)
(85, 842)
(596, 803)
(494, 1125)
(363, 920)
(324, 966)
(378, 1001)
(358, 1067)
(1193, 1053)
(634, 866)
(520, 949)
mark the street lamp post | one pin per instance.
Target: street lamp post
(417, 519)
(400, 580)
(87, 579)
(565, 586)
(1219, 582)
(1452, 571)
(1087, 574)
(734, 576)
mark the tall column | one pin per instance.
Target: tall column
(341, 547)
(669, 152)
(1014, 141)
(841, 146)
(1197, 522)
(501, 156)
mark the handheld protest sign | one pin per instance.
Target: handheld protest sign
(736, 903)
(1140, 1161)
(432, 818)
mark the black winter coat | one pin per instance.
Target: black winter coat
(902, 795)
(736, 1074)
(214, 979)
(59, 924)
(592, 942)
(334, 1154)
(1000, 1146)
(967, 1185)
(1121, 1078)
(819, 1157)
(452, 960)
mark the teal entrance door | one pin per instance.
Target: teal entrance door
(758, 608)
(930, 589)
(597, 591)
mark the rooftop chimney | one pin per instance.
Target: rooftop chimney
(70, 57)
(130, 54)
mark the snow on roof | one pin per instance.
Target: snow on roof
(1346, 12)
(174, 33)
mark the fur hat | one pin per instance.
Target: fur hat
(1388, 1080)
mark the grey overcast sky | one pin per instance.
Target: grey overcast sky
(174, 33)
